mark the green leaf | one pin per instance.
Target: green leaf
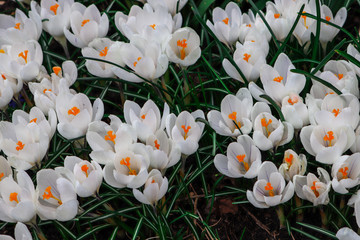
(204, 5)
(318, 229)
(137, 228)
(275, 105)
(305, 234)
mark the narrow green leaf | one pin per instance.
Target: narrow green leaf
(93, 230)
(113, 235)
(340, 214)
(305, 234)
(275, 105)
(318, 229)
(204, 5)
(63, 228)
(348, 57)
(137, 228)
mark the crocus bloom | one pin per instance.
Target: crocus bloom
(154, 189)
(86, 25)
(293, 164)
(68, 70)
(306, 25)
(295, 111)
(327, 32)
(183, 130)
(184, 47)
(313, 189)
(173, 6)
(278, 22)
(21, 233)
(346, 233)
(269, 132)
(45, 94)
(234, 116)
(17, 199)
(9, 79)
(226, 23)
(270, 190)
(85, 176)
(6, 92)
(346, 173)
(56, 196)
(356, 145)
(5, 169)
(243, 159)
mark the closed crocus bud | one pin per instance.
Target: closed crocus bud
(269, 132)
(17, 202)
(313, 189)
(295, 111)
(346, 173)
(184, 131)
(127, 170)
(346, 233)
(37, 116)
(75, 112)
(226, 23)
(243, 159)
(270, 190)
(56, 198)
(234, 118)
(86, 25)
(293, 164)
(85, 176)
(183, 47)
(19, 28)
(249, 59)
(154, 189)
(22, 60)
(5, 169)
(278, 22)
(327, 32)
(25, 146)
(21, 233)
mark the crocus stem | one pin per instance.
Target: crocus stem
(187, 98)
(341, 207)
(62, 41)
(182, 169)
(164, 80)
(300, 214)
(324, 219)
(281, 216)
(39, 233)
(27, 99)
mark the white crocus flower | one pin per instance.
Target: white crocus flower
(85, 176)
(68, 70)
(102, 49)
(293, 164)
(306, 25)
(269, 132)
(173, 6)
(21, 233)
(36, 116)
(75, 112)
(145, 58)
(243, 159)
(56, 196)
(295, 111)
(346, 173)
(86, 24)
(354, 201)
(313, 189)
(17, 198)
(279, 23)
(164, 153)
(249, 58)
(351, 50)
(19, 28)
(154, 189)
(6, 92)
(183, 47)
(356, 145)
(184, 131)
(127, 170)
(25, 146)
(346, 233)
(270, 190)
(254, 39)
(45, 94)
(9, 79)
(226, 23)
(146, 120)
(234, 117)
(5, 169)
(327, 32)
(22, 60)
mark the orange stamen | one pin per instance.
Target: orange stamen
(183, 45)
(157, 145)
(186, 131)
(13, 197)
(20, 146)
(45, 90)
(2, 51)
(340, 76)
(47, 195)
(246, 57)
(136, 62)
(74, 111)
(56, 70)
(329, 137)
(278, 79)
(153, 26)
(329, 93)
(110, 136)
(3, 76)
(126, 162)
(304, 17)
(248, 25)
(85, 169)
(344, 172)
(336, 112)
(266, 124)
(293, 100)
(289, 159)
(85, 22)
(269, 188)
(313, 187)
(327, 18)
(276, 15)
(17, 26)
(241, 158)
(143, 116)
(54, 8)
(153, 181)
(33, 120)
(103, 52)
(226, 21)
(232, 116)
(24, 55)
(1, 175)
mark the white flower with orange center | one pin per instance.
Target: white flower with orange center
(75, 112)
(183, 47)
(9, 79)
(185, 131)
(56, 196)
(313, 189)
(22, 60)
(346, 173)
(86, 25)
(5, 169)
(68, 70)
(269, 132)
(17, 198)
(173, 6)
(127, 170)
(327, 32)
(154, 189)
(45, 94)
(243, 159)
(293, 164)
(226, 23)
(280, 24)
(249, 59)
(306, 25)
(270, 190)
(295, 111)
(21, 233)
(234, 118)
(6, 92)
(24, 145)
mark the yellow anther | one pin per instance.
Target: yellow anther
(157, 145)
(186, 130)
(20, 146)
(24, 55)
(246, 57)
(269, 188)
(48, 194)
(56, 70)
(329, 137)
(313, 188)
(110, 136)
(278, 79)
(103, 52)
(17, 26)
(85, 22)
(85, 169)
(226, 21)
(54, 8)
(14, 197)
(183, 45)
(276, 15)
(74, 111)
